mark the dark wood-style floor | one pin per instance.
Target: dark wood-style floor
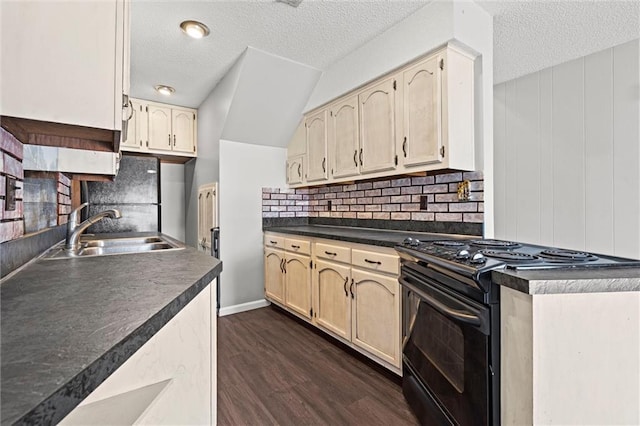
(273, 370)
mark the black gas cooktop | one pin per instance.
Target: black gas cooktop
(488, 254)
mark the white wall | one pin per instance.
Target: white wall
(244, 170)
(212, 115)
(567, 154)
(172, 193)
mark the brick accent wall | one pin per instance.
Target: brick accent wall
(11, 222)
(390, 199)
(64, 198)
(43, 199)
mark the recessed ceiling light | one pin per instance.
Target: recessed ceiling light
(164, 90)
(194, 29)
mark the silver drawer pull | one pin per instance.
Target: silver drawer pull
(375, 262)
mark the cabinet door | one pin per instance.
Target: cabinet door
(66, 68)
(273, 275)
(317, 146)
(377, 127)
(422, 113)
(134, 141)
(295, 170)
(333, 300)
(182, 125)
(344, 138)
(159, 128)
(375, 317)
(297, 273)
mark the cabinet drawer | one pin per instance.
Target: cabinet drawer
(376, 261)
(273, 241)
(331, 252)
(297, 246)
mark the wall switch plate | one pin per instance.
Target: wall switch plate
(10, 196)
(329, 205)
(423, 202)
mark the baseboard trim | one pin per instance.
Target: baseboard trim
(235, 309)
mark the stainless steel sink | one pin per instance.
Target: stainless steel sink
(110, 244)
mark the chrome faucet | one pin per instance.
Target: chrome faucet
(74, 230)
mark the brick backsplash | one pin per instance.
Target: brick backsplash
(11, 154)
(390, 199)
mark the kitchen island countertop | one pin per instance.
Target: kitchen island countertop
(570, 280)
(68, 324)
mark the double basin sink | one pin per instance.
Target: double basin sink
(110, 244)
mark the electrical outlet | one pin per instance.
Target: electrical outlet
(423, 202)
(10, 197)
(329, 205)
(463, 191)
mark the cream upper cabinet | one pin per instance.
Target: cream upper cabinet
(274, 274)
(333, 300)
(159, 127)
(439, 112)
(183, 129)
(316, 126)
(162, 129)
(65, 62)
(417, 118)
(134, 140)
(298, 144)
(295, 170)
(378, 127)
(297, 286)
(376, 315)
(422, 110)
(344, 138)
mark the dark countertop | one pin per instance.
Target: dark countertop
(563, 281)
(68, 324)
(370, 236)
(546, 281)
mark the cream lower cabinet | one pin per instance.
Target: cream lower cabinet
(375, 318)
(355, 294)
(297, 283)
(288, 274)
(333, 301)
(274, 274)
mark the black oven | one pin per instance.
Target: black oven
(450, 348)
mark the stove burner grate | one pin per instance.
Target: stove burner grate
(449, 243)
(495, 244)
(510, 256)
(567, 255)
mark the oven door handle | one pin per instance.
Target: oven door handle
(462, 316)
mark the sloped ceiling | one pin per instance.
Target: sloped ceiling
(268, 100)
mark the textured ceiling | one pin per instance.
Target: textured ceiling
(528, 35)
(316, 33)
(533, 35)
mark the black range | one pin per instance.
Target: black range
(451, 321)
